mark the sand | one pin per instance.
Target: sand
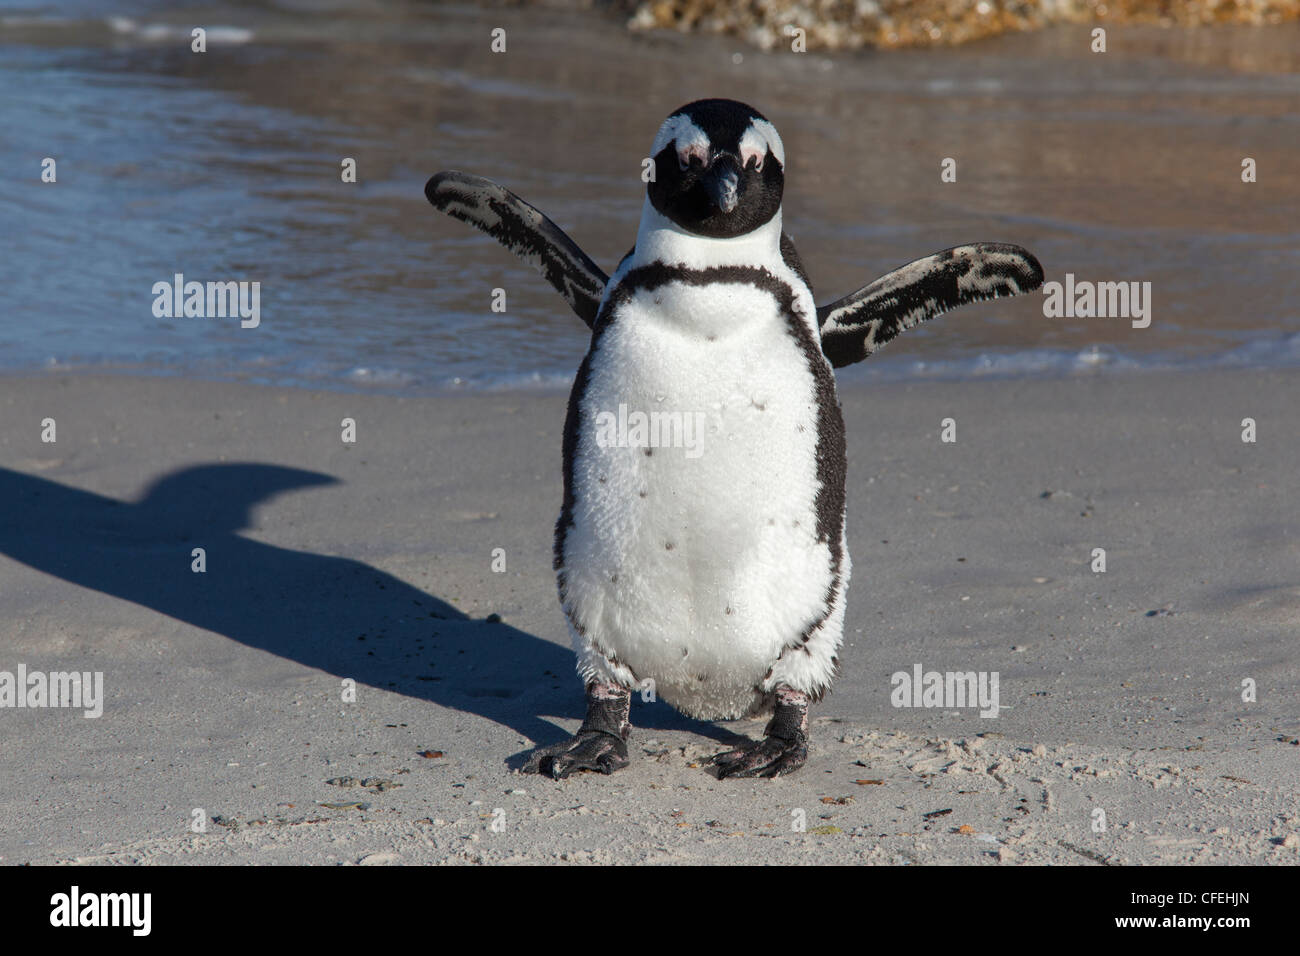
(1120, 692)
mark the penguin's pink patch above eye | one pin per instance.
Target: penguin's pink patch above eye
(750, 155)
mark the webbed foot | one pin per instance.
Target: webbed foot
(599, 745)
(587, 750)
(784, 747)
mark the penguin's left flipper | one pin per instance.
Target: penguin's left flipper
(859, 324)
(524, 231)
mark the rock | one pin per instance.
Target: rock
(854, 24)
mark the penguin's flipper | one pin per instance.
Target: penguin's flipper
(858, 324)
(524, 231)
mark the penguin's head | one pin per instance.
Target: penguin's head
(719, 169)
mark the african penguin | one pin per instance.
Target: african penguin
(701, 541)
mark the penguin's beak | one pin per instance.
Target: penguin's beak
(722, 184)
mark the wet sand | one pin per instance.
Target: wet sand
(1119, 691)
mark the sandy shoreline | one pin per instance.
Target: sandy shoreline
(373, 562)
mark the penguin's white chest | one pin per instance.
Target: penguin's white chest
(693, 556)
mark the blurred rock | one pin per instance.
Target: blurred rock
(853, 24)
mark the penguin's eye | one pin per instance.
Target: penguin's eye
(755, 162)
(690, 159)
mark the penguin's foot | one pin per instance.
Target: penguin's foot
(600, 743)
(586, 750)
(769, 757)
(784, 747)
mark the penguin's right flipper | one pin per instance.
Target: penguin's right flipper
(524, 231)
(858, 324)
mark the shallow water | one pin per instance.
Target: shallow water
(225, 166)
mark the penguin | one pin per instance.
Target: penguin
(700, 552)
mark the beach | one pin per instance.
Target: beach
(276, 580)
(377, 562)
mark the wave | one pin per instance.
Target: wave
(1263, 353)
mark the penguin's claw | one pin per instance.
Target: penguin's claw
(769, 757)
(588, 750)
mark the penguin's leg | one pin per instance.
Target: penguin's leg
(801, 675)
(784, 747)
(600, 743)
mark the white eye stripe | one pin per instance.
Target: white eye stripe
(688, 136)
(760, 137)
(758, 141)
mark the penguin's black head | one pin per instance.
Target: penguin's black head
(719, 169)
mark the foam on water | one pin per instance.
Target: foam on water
(166, 32)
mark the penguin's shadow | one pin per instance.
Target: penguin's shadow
(336, 614)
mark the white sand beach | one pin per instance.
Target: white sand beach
(1119, 692)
